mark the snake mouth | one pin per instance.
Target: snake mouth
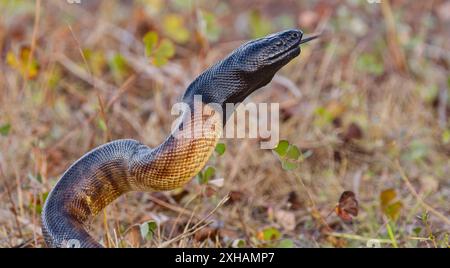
(287, 54)
(293, 50)
(286, 44)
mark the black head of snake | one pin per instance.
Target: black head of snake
(121, 166)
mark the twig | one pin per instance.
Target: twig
(417, 196)
(390, 232)
(198, 226)
(170, 206)
(442, 107)
(94, 80)
(35, 31)
(392, 37)
(287, 83)
(11, 200)
(316, 213)
(359, 238)
(37, 16)
(83, 75)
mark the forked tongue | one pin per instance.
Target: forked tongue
(309, 38)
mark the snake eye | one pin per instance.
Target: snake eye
(294, 34)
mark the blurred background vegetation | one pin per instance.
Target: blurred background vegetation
(365, 108)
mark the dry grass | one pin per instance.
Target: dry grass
(369, 101)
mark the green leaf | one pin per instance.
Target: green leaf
(417, 150)
(5, 129)
(173, 25)
(393, 210)
(29, 70)
(102, 124)
(166, 48)
(271, 233)
(206, 175)
(446, 136)
(238, 243)
(387, 196)
(390, 204)
(286, 243)
(163, 53)
(148, 229)
(39, 177)
(220, 149)
(118, 66)
(211, 27)
(417, 231)
(38, 205)
(44, 197)
(95, 59)
(286, 165)
(282, 148)
(209, 173)
(370, 63)
(159, 60)
(324, 117)
(293, 152)
(150, 41)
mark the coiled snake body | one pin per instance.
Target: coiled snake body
(107, 172)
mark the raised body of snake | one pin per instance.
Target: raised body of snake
(108, 171)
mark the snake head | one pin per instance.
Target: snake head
(259, 60)
(246, 69)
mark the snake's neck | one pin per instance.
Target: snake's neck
(221, 84)
(182, 155)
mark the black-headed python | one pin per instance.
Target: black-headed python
(121, 166)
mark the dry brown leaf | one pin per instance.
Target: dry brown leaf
(347, 206)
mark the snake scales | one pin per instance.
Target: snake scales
(108, 171)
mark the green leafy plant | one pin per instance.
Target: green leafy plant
(119, 66)
(269, 234)
(95, 59)
(148, 229)
(220, 149)
(446, 136)
(5, 129)
(370, 63)
(270, 237)
(173, 25)
(204, 176)
(27, 68)
(286, 243)
(289, 155)
(390, 205)
(210, 27)
(158, 52)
